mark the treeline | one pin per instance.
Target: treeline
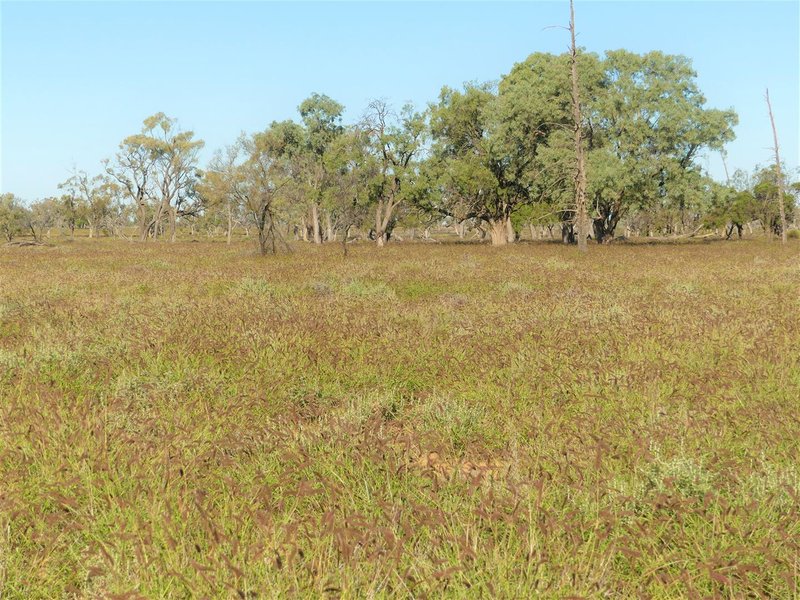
(488, 160)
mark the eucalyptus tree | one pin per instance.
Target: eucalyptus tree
(468, 163)
(396, 142)
(94, 198)
(545, 115)
(157, 168)
(270, 167)
(321, 116)
(353, 169)
(46, 214)
(651, 127)
(730, 210)
(13, 216)
(133, 169)
(771, 204)
(71, 209)
(220, 187)
(496, 151)
(253, 176)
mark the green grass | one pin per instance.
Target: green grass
(191, 420)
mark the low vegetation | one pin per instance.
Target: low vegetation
(192, 420)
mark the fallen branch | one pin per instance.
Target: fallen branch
(23, 243)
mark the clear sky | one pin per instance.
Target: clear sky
(79, 77)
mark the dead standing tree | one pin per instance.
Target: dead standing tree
(580, 160)
(778, 172)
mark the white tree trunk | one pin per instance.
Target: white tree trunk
(499, 232)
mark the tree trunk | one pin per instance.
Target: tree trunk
(304, 228)
(329, 234)
(345, 234)
(600, 231)
(605, 225)
(567, 233)
(498, 229)
(315, 224)
(141, 214)
(173, 223)
(229, 233)
(383, 222)
(511, 235)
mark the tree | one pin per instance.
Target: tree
(13, 216)
(778, 172)
(270, 166)
(651, 125)
(93, 199)
(770, 201)
(321, 117)
(538, 124)
(133, 170)
(44, 215)
(253, 176)
(219, 187)
(352, 168)
(396, 142)
(70, 204)
(158, 170)
(498, 152)
(474, 174)
(731, 210)
(580, 162)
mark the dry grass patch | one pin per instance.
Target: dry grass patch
(191, 420)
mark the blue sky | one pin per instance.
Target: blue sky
(79, 77)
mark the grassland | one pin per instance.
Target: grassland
(191, 420)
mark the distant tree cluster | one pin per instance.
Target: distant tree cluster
(494, 161)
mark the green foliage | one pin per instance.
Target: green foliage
(394, 142)
(765, 202)
(321, 117)
(494, 157)
(652, 126)
(13, 216)
(156, 169)
(644, 125)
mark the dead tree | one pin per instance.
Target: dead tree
(778, 172)
(580, 161)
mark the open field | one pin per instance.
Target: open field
(191, 420)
